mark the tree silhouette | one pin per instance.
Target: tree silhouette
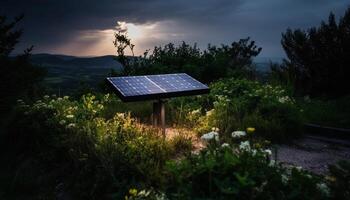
(319, 57)
(233, 60)
(18, 78)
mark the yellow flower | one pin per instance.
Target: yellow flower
(250, 130)
(133, 192)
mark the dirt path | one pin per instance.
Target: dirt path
(314, 153)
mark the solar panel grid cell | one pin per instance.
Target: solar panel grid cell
(157, 86)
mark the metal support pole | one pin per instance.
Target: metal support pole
(162, 116)
(158, 116)
(155, 115)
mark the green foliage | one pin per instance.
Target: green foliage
(18, 78)
(318, 58)
(340, 177)
(207, 66)
(335, 112)
(79, 148)
(239, 172)
(235, 104)
(91, 156)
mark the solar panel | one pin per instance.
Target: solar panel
(138, 88)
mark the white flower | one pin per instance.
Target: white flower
(46, 96)
(299, 168)
(71, 125)
(210, 136)
(284, 179)
(66, 97)
(238, 134)
(272, 163)
(216, 136)
(62, 122)
(322, 187)
(224, 145)
(268, 152)
(70, 116)
(254, 152)
(245, 146)
(284, 99)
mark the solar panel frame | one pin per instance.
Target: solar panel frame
(168, 92)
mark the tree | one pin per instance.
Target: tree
(207, 66)
(319, 57)
(18, 78)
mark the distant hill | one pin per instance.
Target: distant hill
(263, 63)
(66, 73)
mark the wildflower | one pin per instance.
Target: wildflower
(250, 130)
(268, 152)
(210, 112)
(66, 97)
(211, 135)
(120, 115)
(224, 145)
(62, 122)
(20, 101)
(308, 176)
(59, 99)
(272, 163)
(70, 116)
(133, 192)
(322, 187)
(238, 134)
(216, 136)
(245, 146)
(254, 151)
(299, 168)
(214, 129)
(100, 106)
(284, 99)
(46, 96)
(71, 125)
(195, 112)
(284, 179)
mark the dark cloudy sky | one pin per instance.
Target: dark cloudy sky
(86, 27)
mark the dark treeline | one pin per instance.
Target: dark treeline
(235, 60)
(318, 61)
(18, 78)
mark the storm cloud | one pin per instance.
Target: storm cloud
(86, 27)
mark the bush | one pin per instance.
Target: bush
(89, 155)
(340, 179)
(237, 104)
(240, 172)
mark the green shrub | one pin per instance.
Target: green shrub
(87, 153)
(340, 179)
(239, 104)
(240, 172)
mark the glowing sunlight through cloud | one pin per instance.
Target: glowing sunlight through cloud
(100, 42)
